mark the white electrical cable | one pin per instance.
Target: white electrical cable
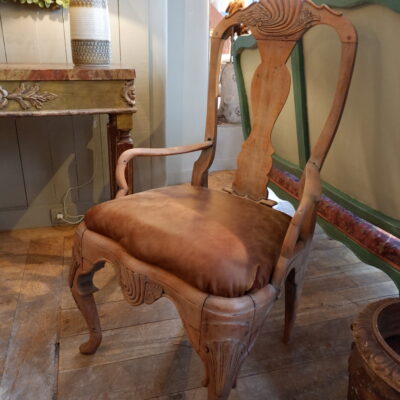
(67, 218)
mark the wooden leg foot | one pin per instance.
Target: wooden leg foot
(226, 336)
(82, 288)
(87, 307)
(224, 360)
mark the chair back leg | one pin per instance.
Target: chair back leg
(293, 290)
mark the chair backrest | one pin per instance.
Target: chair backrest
(277, 25)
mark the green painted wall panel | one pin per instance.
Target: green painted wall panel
(363, 161)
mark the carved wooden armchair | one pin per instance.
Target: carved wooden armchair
(222, 258)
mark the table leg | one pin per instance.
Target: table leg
(119, 140)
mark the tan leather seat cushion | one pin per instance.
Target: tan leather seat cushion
(219, 243)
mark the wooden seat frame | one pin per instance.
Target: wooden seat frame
(223, 330)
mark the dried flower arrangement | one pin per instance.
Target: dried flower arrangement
(41, 3)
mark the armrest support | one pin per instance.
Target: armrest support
(133, 153)
(301, 227)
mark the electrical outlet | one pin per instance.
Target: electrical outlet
(57, 216)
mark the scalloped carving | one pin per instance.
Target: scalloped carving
(27, 96)
(278, 18)
(374, 355)
(324, 7)
(137, 288)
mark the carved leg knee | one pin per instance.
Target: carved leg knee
(225, 341)
(82, 288)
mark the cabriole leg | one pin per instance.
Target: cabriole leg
(225, 341)
(82, 288)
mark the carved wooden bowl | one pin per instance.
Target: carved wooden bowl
(374, 365)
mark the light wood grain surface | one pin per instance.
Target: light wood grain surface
(145, 354)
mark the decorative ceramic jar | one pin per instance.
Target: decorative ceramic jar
(90, 32)
(374, 365)
(230, 106)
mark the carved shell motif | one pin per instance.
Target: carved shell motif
(137, 288)
(278, 17)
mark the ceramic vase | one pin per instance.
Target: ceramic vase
(230, 106)
(374, 365)
(90, 32)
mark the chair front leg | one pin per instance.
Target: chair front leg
(225, 341)
(223, 360)
(82, 289)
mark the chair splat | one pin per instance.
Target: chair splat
(277, 25)
(269, 92)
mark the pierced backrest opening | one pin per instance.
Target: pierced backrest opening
(277, 25)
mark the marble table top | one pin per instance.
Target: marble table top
(64, 72)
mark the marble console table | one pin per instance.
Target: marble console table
(48, 90)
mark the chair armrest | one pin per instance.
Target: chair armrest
(301, 227)
(128, 155)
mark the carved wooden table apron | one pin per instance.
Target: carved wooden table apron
(48, 90)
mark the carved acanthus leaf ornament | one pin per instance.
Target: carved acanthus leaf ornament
(129, 93)
(26, 96)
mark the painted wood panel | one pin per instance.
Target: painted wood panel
(113, 7)
(134, 40)
(47, 154)
(3, 56)
(158, 57)
(32, 36)
(91, 161)
(67, 36)
(186, 90)
(10, 166)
